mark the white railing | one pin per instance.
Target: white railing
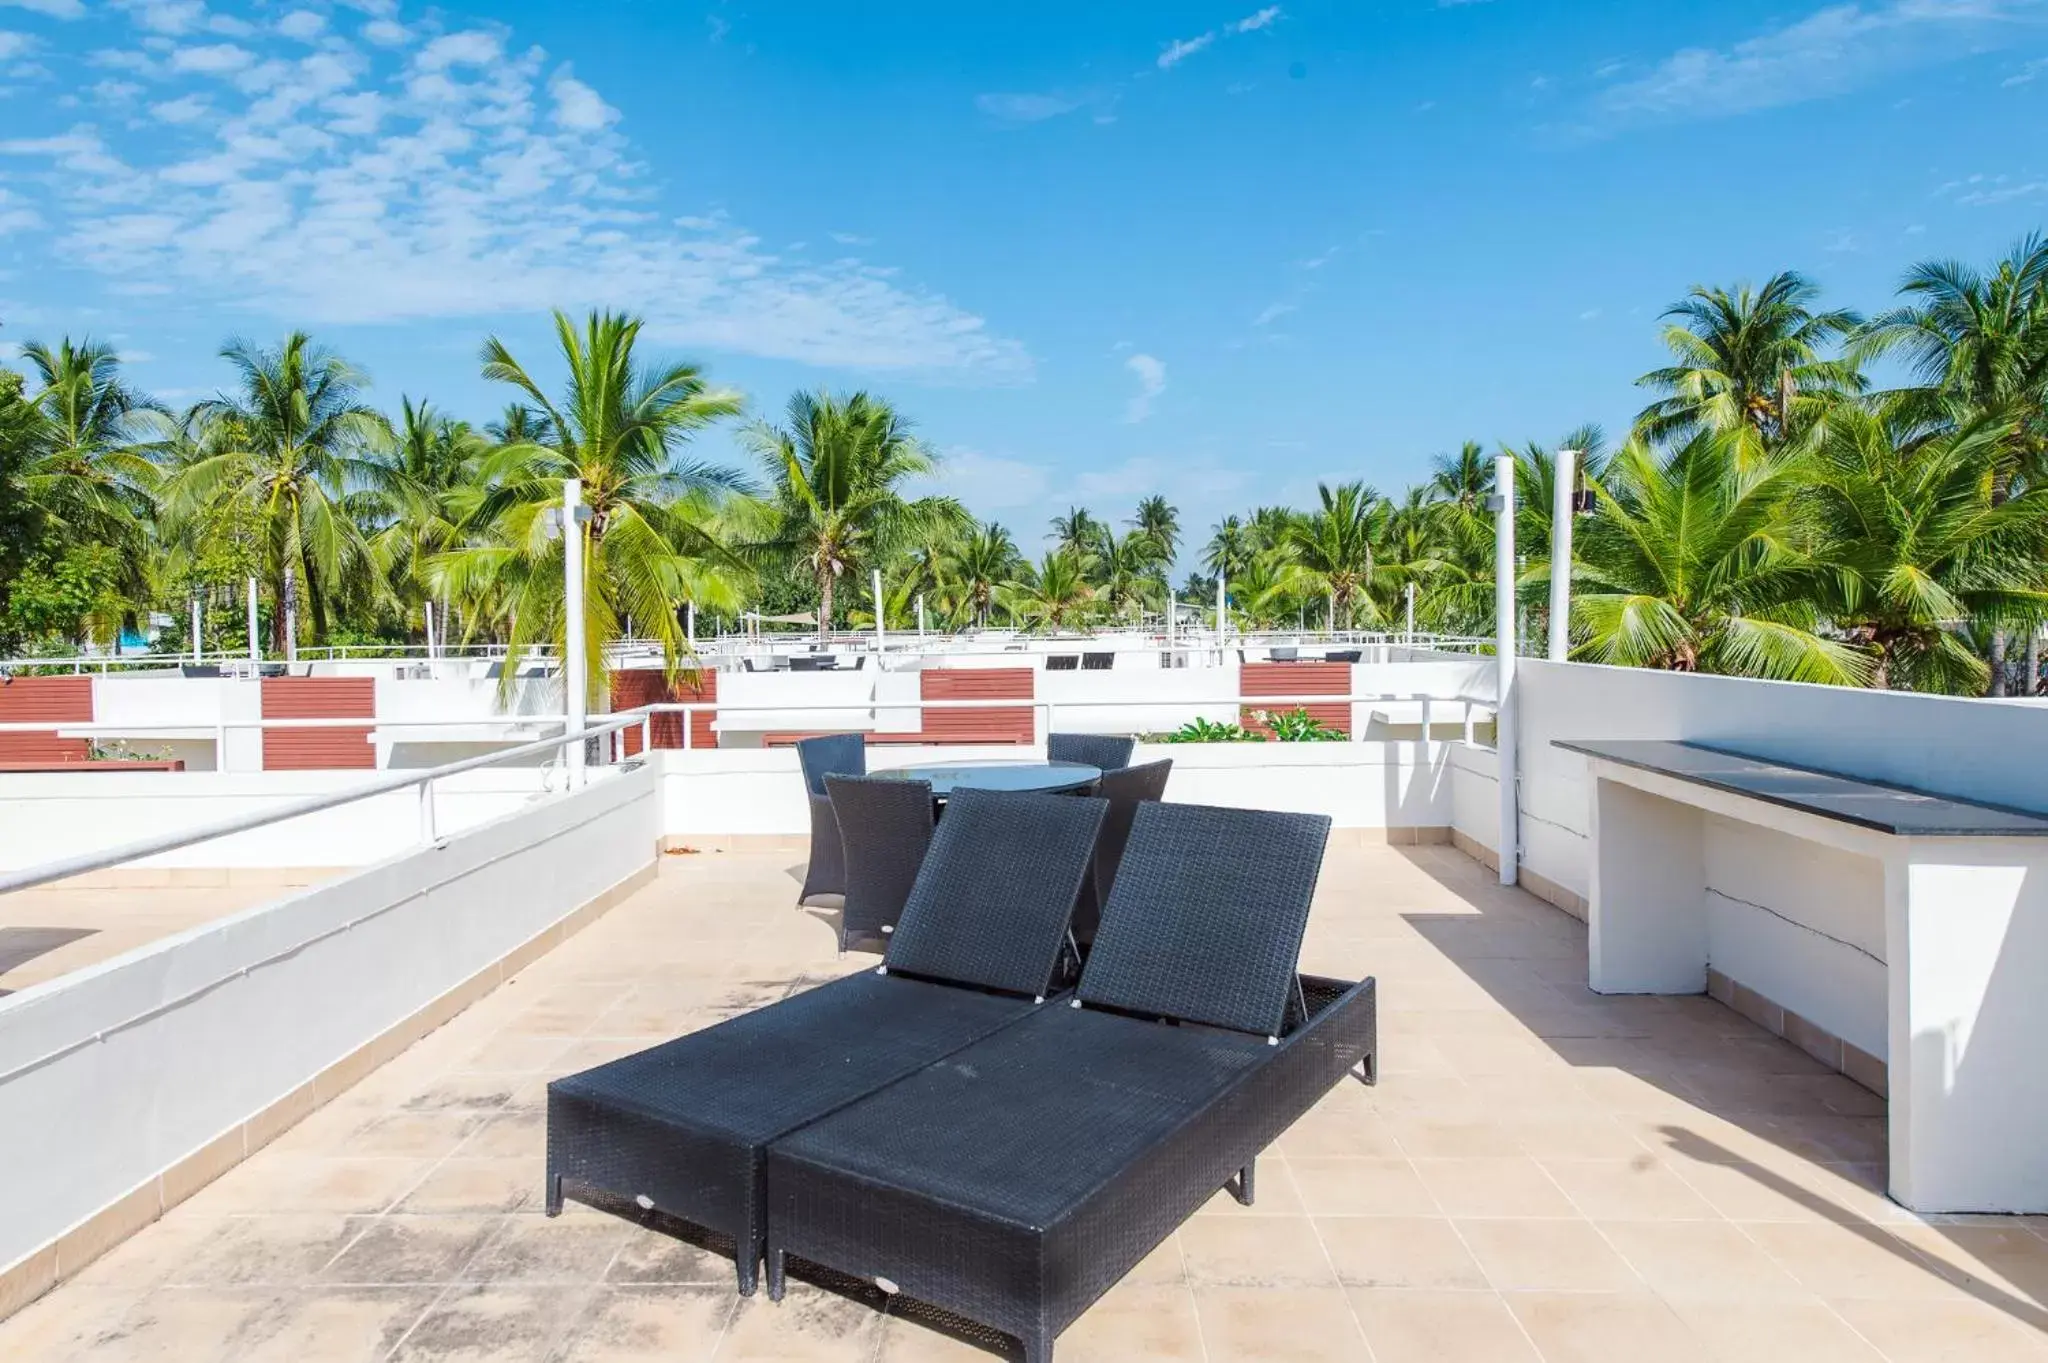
(424, 780)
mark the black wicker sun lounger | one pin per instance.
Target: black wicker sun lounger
(682, 1128)
(1017, 1180)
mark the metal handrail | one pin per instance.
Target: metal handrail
(171, 842)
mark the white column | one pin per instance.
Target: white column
(690, 624)
(427, 613)
(881, 640)
(575, 662)
(1562, 509)
(1222, 606)
(1646, 902)
(920, 617)
(198, 650)
(255, 639)
(1504, 660)
(1411, 615)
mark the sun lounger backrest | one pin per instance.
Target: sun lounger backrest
(992, 902)
(1205, 921)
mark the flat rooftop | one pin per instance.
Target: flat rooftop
(1542, 1173)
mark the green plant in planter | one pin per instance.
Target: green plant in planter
(1299, 726)
(1209, 731)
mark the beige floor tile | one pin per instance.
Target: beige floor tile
(399, 1249)
(650, 1257)
(63, 1325)
(418, 1135)
(1423, 1137)
(636, 1324)
(335, 1325)
(535, 1249)
(1577, 1136)
(1273, 1194)
(1708, 1260)
(1440, 1327)
(1852, 1261)
(173, 1324)
(1947, 1331)
(1553, 1256)
(809, 1325)
(460, 1184)
(1388, 1251)
(1513, 1185)
(1988, 1261)
(1341, 1134)
(1153, 1323)
(1607, 1327)
(310, 1183)
(1265, 1251)
(1638, 1189)
(1279, 1325)
(283, 1250)
(1360, 1187)
(493, 1325)
(1790, 1331)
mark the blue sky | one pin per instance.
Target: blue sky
(1218, 250)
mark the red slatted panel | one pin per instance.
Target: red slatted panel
(994, 725)
(324, 749)
(27, 700)
(644, 686)
(1298, 679)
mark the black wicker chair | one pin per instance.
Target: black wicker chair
(885, 825)
(1107, 751)
(1125, 788)
(832, 755)
(1017, 1181)
(683, 1127)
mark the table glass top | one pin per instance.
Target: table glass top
(947, 777)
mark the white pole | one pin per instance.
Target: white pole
(1411, 615)
(690, 624)
(428, 611)
(255, 639)
(1504, 660)
(876, 579)
(197, 647)
(1222, 604)
(1562, 509)
(575, 676)
(920, 617)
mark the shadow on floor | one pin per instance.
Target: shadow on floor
(1530, 959)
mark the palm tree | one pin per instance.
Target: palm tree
(1921, 547)
(1330, 550)
(1464, 479)
(838, 467)
(1160, 520)
(1054, 594)
(621, 427)
(1126, 570)
(1697, 562)
(519, 424)
(1078, 530)
(1230, 548)
(1979, 347)
(1752, 358)
(87, 473)
(419, 484)
(975, 565)
(293, 446)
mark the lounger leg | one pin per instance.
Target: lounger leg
(747, 1250)
(1038, 1347)
(554, 1194)
(1244, 1191)
(776, 1279)
(1369, 1069)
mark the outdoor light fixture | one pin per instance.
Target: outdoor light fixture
(1496, 504)
(551, 519)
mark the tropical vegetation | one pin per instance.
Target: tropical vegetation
(1808, 493)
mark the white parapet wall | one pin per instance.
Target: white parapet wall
(760, 792)
(48, 816)
(171, 1062)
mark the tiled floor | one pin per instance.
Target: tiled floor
(1541, 1174)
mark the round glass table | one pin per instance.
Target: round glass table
(947, 777)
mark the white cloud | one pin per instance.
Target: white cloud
(1252, 23)
(987, 482)
(1026, 108)
(302, 24)
(55, 9)
(578, 106)
(169, 16)
(1272, 313)
(471, 47)
(1183, 481)
(387, 33)
(13, 45)
(453, 180)
(1826, 53)
(2027, 74)
(1180, 49)
(186, 109)
(214, 59)
(1151, 383)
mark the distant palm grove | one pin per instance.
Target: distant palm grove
(1775, 510)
